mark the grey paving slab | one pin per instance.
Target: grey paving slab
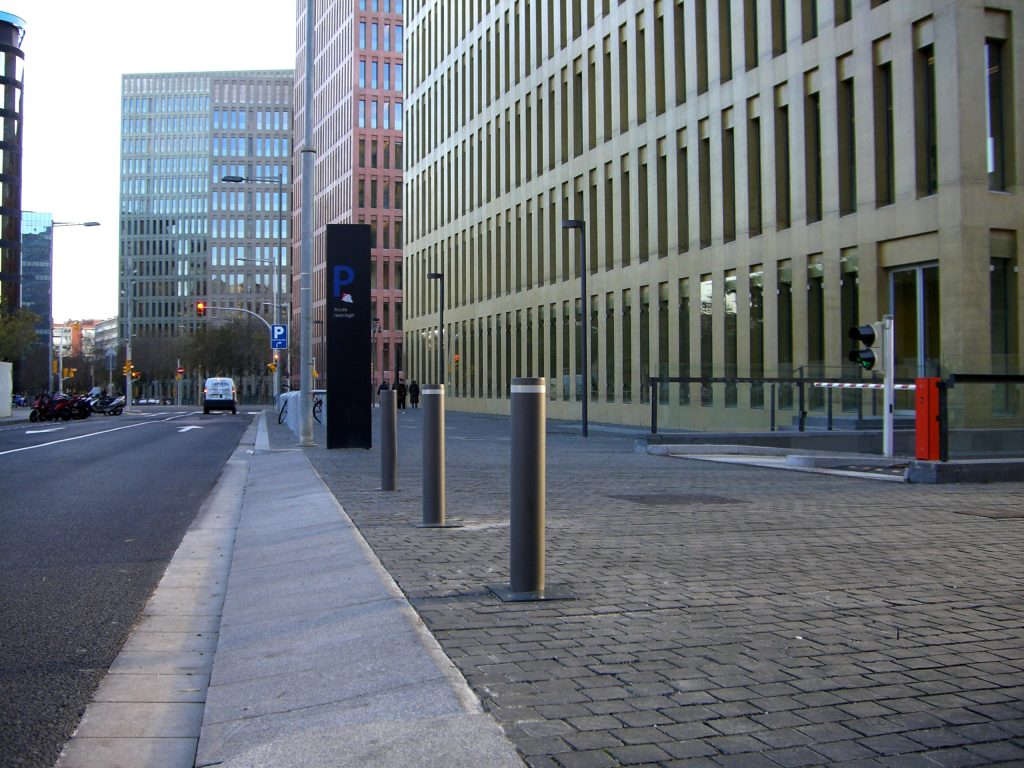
(320, 658)
(129, 753)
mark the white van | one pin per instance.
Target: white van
(219, 395)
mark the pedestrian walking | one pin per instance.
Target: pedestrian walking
(402, 391)
(414, 394)
(382, 388)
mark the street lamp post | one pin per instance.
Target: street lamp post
(374, 332)
(579, 224)
(439, 276)
(276, 179)
(49, 374)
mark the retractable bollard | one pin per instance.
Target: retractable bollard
(526, 528)
(432, 398)
(388, 440)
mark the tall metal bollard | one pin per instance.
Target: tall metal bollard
(432, 397)
(388, 440)
(528, 488)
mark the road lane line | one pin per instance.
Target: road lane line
(91, 434)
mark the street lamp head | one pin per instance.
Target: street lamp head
(572, 223)
(76, 223)
(233, 179)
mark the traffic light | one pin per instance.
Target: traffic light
(271, 367)
(872, 337)
(200, 308)
(136, 375)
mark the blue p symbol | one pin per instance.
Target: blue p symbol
(342, 276)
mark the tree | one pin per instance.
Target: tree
(17, 334)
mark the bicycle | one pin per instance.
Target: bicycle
(318, 409)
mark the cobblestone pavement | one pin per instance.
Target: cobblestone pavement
(726, 615)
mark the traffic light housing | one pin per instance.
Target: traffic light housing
(872, 338)
(271, 367)
(200, 309)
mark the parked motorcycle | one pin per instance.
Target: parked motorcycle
(49, 407)
(108, 406)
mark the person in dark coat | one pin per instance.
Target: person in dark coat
(402, 392)
(414, 394)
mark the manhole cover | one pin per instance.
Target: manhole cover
(676, 499)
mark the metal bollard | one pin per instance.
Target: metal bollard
(528, 483)
(432, 397)
(388, 440)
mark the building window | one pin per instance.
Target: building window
(885, 150)
(756, 333)
(997, 91)
(707, 350)
(926, 139)
(812, 154)
(731, 369)
(782, 186)
(847, 156)
(683, 332)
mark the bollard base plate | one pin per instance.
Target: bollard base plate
(550, 592)
(439, 525)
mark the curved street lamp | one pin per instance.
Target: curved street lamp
(60, 373)
(279, 180)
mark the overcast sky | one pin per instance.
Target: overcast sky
(75, 54)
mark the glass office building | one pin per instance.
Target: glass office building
(37, 269)
(186, 235)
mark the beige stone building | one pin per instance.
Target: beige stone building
(755, 176)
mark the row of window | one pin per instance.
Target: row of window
(242, 228)
(380, 75)
(170, 145)
(131, 166)
(388, 156)
(385, 109)
(141, 105)
(384, 199)
(170, 124)
(250, 146)
(250, 256)
(381, 5)
(382, 37)
(265, 119)
(238, 201)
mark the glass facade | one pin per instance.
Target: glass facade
(37, 269)
(185, 233)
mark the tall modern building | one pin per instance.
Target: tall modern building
(754, 178)
(186, 234)
(357, 134)
(12, 66)
(37, 269)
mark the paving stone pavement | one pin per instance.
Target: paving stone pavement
(726, 615)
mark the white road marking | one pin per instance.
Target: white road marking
(82, 437)
(186, 429)
(41, 431)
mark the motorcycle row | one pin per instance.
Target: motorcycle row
(47, 407)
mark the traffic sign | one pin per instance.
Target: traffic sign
(181, 370)
(278, 336)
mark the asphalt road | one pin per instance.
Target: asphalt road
(90, 515)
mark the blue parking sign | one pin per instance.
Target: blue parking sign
(278, 336)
